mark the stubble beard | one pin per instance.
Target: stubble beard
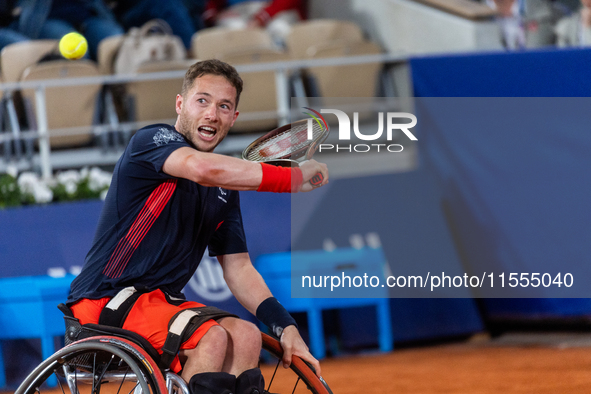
(185, 127)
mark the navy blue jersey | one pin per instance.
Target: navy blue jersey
(154, 228)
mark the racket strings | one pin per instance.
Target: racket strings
(285, 144)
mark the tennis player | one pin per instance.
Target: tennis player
(169, 200)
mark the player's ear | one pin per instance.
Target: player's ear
(179, 103)
(235, 116)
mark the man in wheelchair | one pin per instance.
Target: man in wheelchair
(169, 200)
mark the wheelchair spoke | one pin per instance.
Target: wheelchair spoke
(105, 369)
(123, 380)
(133, 389)
(59, 382)
(296, 385)
(273, 377)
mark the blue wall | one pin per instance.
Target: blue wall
(516, 184)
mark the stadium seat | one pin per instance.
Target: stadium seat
(324, 38)
(15, 58)
(107, 49)
(216, 41)
(259, 92)
(68, 106)
(155, 100)
(306, 34)
(359, 80)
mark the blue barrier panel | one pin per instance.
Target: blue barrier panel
(469, 163)
(404, 211)
(545, 73)
(280, 269)
(35, 238)
(28, 310)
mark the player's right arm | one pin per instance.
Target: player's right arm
(211, 169)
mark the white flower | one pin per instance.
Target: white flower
(27, 181)
(70, 180)
(71, 187)
(104, 194)
(71, 176)
(98, 179)
(42, 193)
(84, 172)
(12, 170)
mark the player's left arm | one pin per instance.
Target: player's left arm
(250, 289)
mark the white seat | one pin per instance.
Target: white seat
(155, 100)
(319, 31)
(259, 92)
(68, 106)
(216, 41)
(357, 80)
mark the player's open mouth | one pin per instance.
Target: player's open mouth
(207, 132)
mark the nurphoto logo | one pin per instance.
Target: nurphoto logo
(395, 123)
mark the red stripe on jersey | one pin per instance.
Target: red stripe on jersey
(219, 224)
(138, 230)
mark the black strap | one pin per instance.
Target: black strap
(116, 317)
(183, 325)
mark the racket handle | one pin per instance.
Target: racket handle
(317, 180)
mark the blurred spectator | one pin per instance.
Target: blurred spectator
(8, 28)
(527, 23)
(55, 18)
(276, 16)
(575, 30)
(134, 13)
(196, 9)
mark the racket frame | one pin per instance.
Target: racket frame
(292, 159)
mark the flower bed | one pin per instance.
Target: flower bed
(28, 188)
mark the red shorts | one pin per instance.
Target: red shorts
(148, 317)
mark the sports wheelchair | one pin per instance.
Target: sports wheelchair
(111, 360)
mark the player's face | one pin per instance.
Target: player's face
(207, 111)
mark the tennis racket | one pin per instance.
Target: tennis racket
(289, 145)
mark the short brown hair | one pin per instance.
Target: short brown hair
(214, 67)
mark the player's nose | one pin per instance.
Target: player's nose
(211, 113)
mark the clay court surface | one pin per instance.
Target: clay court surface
(518, 365)
(465, 368)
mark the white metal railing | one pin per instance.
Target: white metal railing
(281, 70)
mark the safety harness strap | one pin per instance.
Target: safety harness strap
(180, 327)
(117, 309)
(183, 325)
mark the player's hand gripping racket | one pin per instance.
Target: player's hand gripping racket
(289, 145)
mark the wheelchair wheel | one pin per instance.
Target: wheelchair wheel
(94, 365)
(280, 381)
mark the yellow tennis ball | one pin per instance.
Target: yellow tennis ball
(73, 46)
